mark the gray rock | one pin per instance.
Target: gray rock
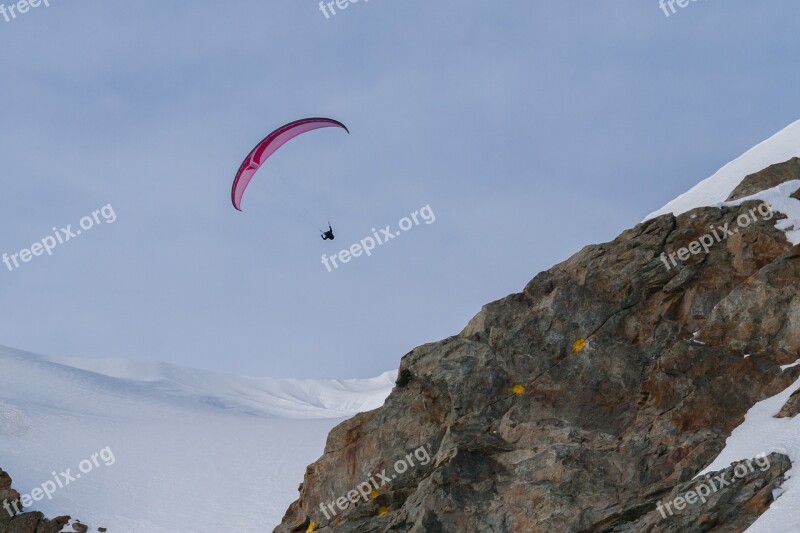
(13, 522)
(576, 405)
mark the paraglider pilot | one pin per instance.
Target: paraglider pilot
(327, 235)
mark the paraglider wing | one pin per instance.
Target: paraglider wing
(269, 146)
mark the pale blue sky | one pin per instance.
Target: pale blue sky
(531, 128)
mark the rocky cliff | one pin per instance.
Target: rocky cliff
(591, 400)
(12, 521)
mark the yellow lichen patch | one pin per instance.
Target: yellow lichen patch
(311, 527)
(373, 494)
(518, 389)
(579, 345)
(382, 511)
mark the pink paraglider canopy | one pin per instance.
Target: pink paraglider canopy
(269, 146)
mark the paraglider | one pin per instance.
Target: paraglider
(327, 235)
(271, 143)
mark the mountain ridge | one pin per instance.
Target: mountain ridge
(599, 392)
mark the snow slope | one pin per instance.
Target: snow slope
(193, 451)
(760, 433)
(712, 191)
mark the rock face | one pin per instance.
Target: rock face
(729, 500)
(792, 407)
(770, 177)
(12, 522)
(583, 402)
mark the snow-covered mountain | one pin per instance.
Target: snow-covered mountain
(761, 432)
(582, 403)
(196, 451)
(185, 450)
(714, 190)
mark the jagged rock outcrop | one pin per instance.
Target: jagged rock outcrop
(792, 407)
(720, 501)
(770, 177)
(33, 522)
(581, 403)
